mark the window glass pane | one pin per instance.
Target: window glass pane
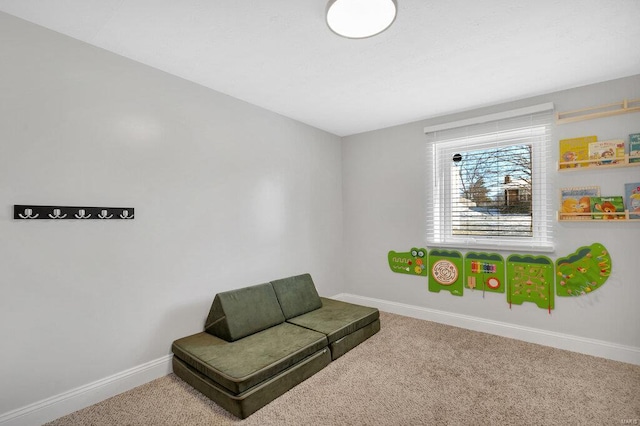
(491, 191)
(489, 184)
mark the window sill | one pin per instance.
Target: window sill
(494, 246)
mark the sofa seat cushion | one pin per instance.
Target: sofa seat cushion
(244, 363)
(350, 341)
(246, 403)
(297, 295)
(239, 313)
(336, 319)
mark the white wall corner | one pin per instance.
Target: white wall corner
(599, 348)
(76, 399)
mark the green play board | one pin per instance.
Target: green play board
(413, 262)
(484, 272)
(445, 271)
(530, 279)
(583, 271)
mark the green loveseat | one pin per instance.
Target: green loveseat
(260, 341)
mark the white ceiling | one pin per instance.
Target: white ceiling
(438, 57)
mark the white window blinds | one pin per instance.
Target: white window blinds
(488, 181)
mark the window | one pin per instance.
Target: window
(488, 184)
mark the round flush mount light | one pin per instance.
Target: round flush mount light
(360, 18)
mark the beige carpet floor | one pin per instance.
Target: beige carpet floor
(412, 372)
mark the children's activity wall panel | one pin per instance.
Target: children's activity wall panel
(446, 271)
(484, 272)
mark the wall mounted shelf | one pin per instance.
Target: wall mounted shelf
(608, 110)
(589, 217)
(593, 164)
(589, 166)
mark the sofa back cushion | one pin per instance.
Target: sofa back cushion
(297, 295)
(239, 313)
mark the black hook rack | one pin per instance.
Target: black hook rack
(30, 212)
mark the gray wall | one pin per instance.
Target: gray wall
(226, 195)
(384, 209)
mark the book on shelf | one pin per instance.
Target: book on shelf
(632, 197)
(575, 149)
(606, 152)
(574, 202)
(607, 208)
(634, 148)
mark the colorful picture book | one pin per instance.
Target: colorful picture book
(606, 152)
(575, 149)
(632, 197)
(607, 208)
(575, 203)
(634, 148)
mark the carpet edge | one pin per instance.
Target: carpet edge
(593, 347)
(81, 397)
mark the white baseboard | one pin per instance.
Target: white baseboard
(67, 402)
(599, 348)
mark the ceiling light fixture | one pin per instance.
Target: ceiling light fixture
(360, 18)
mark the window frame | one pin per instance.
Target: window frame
(475, 136)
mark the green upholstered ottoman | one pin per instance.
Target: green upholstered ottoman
(248, 355)
(246, 403)
(261, 341)
(244, 375)
(345, 324)
(240, 365)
